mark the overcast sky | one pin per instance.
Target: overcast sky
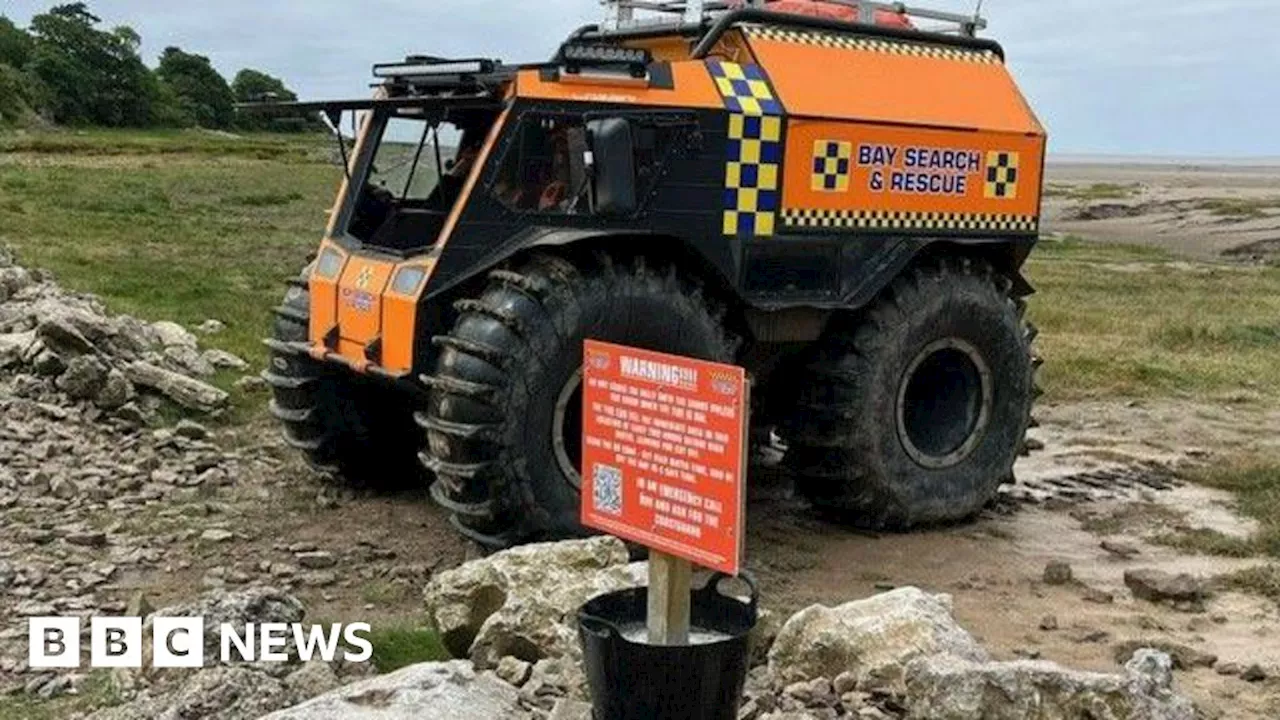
(1156, 77)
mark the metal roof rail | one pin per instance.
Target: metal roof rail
(625, 15)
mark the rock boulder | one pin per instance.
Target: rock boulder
(14, 345)
(450, 691)
(185, 391)
(1157, 586)
(84, 377)
(171, 334)
(522, 602)
(951, 688)
(874, 639)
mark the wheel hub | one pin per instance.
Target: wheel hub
(944, 403)
(566, 430)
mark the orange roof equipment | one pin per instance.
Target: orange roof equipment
(830, 11)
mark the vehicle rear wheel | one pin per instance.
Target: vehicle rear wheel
(504, 418)
(915, 412)
(353, 427)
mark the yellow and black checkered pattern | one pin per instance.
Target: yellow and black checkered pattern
(901, 220)
(1002, 175)
(855, 42)
(831, 165)
(745, 88)
(754, 155)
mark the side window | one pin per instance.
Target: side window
(544, 169)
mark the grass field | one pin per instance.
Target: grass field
(183, 226)
(1121, 321)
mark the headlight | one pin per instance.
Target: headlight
(329, 264)
(407, 280)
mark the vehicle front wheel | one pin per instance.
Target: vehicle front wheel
(504, 419)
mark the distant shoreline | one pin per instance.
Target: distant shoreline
(1164, 161)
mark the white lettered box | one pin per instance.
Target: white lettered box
(53, 642)
(115, 642)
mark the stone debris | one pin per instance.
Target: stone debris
(1254, 673)
(182, 389)
(1183, 656)
(63, 347)
(1120, 548)
(1184, 591)
(211, 327)
(1058, 573)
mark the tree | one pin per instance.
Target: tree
(90, 76)
(201, 91)
(251, 86)
(255, 86)
(16, 87)
(16, 96)
(15, 44)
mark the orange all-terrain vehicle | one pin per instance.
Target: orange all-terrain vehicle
(820, 192)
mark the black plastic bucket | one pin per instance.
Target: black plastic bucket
(632, 680)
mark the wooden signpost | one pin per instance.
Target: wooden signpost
(664, 465)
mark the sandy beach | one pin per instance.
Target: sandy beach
(1203, 208)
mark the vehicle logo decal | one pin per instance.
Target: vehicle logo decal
(364, 278)
(358, 300)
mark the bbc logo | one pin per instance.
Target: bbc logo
(54, 642)
(179, 642)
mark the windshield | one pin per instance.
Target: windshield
(410, 157)
(416, 171)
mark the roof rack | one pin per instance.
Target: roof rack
(629, 15)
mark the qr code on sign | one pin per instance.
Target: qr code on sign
(607, 489)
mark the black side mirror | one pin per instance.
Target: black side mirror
(614, 166)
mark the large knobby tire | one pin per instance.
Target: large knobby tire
(355, 428)
(914, 411)
(504, 417)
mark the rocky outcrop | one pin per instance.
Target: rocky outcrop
(873, 639)
(63, 344)
(522, 602)
(449, 690)
(951, 688)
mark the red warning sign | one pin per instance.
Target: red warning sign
(663, 452)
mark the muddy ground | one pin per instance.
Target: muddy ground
(1109, 471)
(1201, 210)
